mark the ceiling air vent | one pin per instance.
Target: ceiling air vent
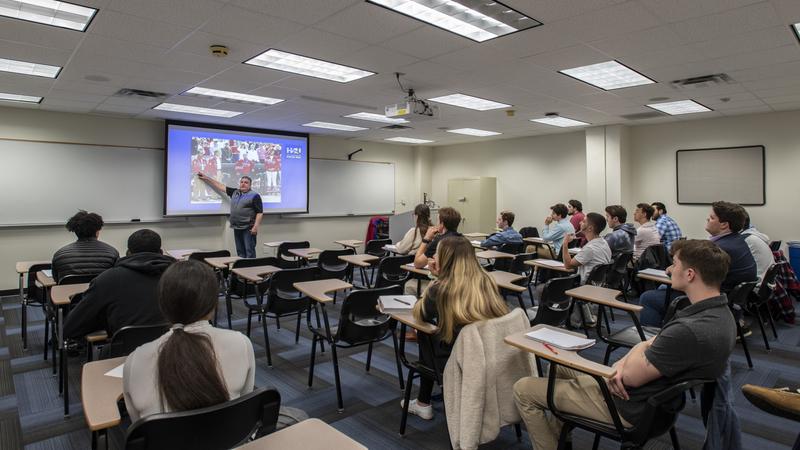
(137, 93)
(395, 127)
(644, 115)
(704, 81)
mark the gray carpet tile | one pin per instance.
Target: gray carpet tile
(31, 414)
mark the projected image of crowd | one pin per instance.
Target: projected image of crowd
(227, 160)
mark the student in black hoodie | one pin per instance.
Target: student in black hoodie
(124, 294)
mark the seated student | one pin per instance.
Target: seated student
(758, 243)
(449, 219)
(125, 294)
(575, 211)
(596, 252)
(622, 235)
(556, 226)
(194, 365)
(463, 293)
(410, 242)
(667, 228)
(696, 343)
(724, 223)
(646, 234)
(507, 234)
(87, 255)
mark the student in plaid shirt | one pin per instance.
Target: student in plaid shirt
(666, 225)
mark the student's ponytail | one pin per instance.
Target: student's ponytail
(189, 375)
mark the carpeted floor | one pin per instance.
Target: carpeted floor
(31, 411)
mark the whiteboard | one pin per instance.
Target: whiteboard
(733, 174)
(47, 183)
(341, 188)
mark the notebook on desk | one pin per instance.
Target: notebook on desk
(549, 262)
(396, 302)
(48, 273)
(559, 339)
(654, 272)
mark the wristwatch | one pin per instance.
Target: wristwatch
(426, 241)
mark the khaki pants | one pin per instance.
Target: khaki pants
(575, 393)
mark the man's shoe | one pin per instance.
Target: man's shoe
(780, 402)
(424, 412)
(746, 332)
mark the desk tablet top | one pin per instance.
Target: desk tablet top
(655, 277)
(100, 393)
(410, 268)
(551, 264)
(407, 318)
(476, 235)
(222, 262)
(181, 253)
(363, 260)
(24, 266)
(255, 274)
(310, 434)
(305, 252)
(494, 254)
(506, 280)
(319, 289)
(352, 243)
(535, 240)
(44, 280)
(601, 296)
(567, 358)
(62, 294)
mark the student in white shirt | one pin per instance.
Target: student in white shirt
(596, 252)
(646, 234)
(193, 365)
(413, 237)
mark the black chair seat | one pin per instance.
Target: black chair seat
(333, 267)
(629, 337)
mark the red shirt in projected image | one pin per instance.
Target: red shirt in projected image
(244, 167)
(211, 166)
(272, 164)
(197, 164)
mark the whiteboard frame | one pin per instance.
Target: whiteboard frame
(763, 174)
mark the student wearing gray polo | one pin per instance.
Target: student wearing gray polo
(695, 344)
(246, 213)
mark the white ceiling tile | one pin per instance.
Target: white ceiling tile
(320, 44)
(369, 23)
(249, 26)
(791, 106)
(789, 9)
(778, 92)
(301, 11)
(377, 59)
(34, 53)
(198, 43)
(776, 55)
(190, 62)
(474, 57)
(678, 10)
(638, 42)
(729, 23)
(16, 83)
(532, 41)
(661, 58)
(80, 86)
(772, 83)
(62, 94)
(785, 70)
(68, 103)
(187, 13)
(426, 42)
(608, 22)
(747, 110)
(567, 58)
(36, 34)
(245, 77)
(747, 42)
(551, 10)
(135, 29)
(74, 108)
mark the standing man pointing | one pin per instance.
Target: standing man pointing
(246, 213)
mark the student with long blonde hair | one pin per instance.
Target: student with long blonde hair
(463, 293)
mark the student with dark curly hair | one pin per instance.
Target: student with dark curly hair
(87, 255)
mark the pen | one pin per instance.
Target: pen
(402, 301)
(549, 347)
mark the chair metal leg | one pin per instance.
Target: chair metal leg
(673, 436)
(562, 437)
(266, 340)
(313, 359)
(53, 345)
(607, 356)
(297, 330)
(406, 400)
(229, 308)
(24, 319)
(277, 321)
(397, 359)
(772, 324)
(46, 334)
(596, 442)
(521, 302)
(369, 355)
(761, 326)
(65, 375)
(744, 344)
(518, 431)
(335, 360)
(249, 320)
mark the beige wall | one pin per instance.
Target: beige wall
(532, 173)
(653, 167)
(34, 243)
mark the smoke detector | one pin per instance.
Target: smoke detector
(219, 51)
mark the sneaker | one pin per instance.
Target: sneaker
(746, 332)
(423, 412)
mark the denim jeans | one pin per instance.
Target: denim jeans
(245, 243)
(654, 306)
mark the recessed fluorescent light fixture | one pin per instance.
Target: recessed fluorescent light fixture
(19, 98)
(679, 107)
(474, 132)
(228, 95)
(469, 102)
(796, 28)
(49, 12)
(477, 20)
(558, 121)
(608, 75)
(334, 126)
(28, 68)
(303, 65)
(196, 110)
(408, 140)
(372, 117)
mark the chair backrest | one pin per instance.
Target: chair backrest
(775, 245)
(127, 339)
(375, 247)
(222, 426)
(359, 320)
(287, 260)
(554, 303)
(236, 286)
(546, 251)
(35, 293)
(619, 269)
(768, 282)
(330, 266)
(738, 295)
(282, 297)
(654, 257)
(390, 271)
(599, 274)
(77, 278)
(676, 305)
(661, 411)
(518, 265)
(201, 256)
(527, 232)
